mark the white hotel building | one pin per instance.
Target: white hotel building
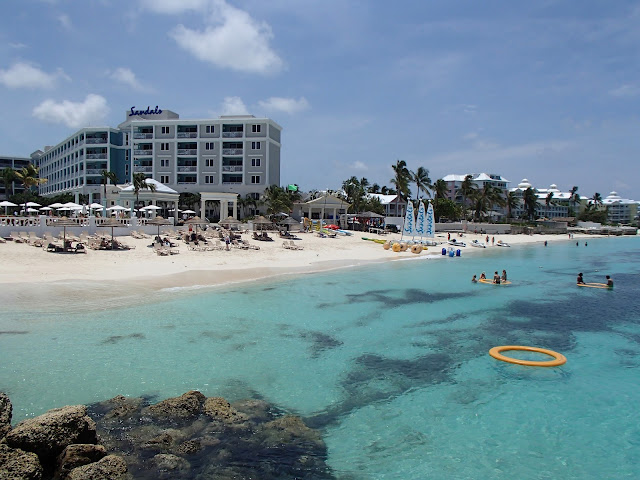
(221, 159)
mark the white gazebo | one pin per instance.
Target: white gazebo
(167, 197)
(326, 207)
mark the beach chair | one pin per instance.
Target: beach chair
(2, 240)
(35, 240)
(294, 246)
(15, 236)
(25, 237)
(286, 245)
(251, 245)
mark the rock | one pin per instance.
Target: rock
(257, 410)
(5, 414)
(110, 467)
(219, 409)
(78, 455)
(171, 463)
(190, 447)
(182, 407)
(290, 430)
(16, 464)
(121, 407)
(49, 434)
(159, 442)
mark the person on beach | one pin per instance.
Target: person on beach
(483, 276)
(496, 278)
(504, 275)
(609, 281)
(580, 280)
(474, 279)
(493, 240)
(545, 243)
(487, 239)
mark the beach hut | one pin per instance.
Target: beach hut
(159, 221)
(111, 223)
(65, 223)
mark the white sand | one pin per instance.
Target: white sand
(23, 263)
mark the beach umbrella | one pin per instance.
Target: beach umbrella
(95, 205)
(56, 205)
(31, 210)
(159, 221)
(188, 212)
(6, 204)
(117, 208)
(111, 223)
(229, 222)
(151, 207)
(65, 222)
(197, 221)
(261, 221)
(289, 222)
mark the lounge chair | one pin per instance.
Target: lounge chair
(15, 236)
(294, 246)
(35, 240)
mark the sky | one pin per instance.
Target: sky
(546, 90)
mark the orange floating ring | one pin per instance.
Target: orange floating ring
(558, 359)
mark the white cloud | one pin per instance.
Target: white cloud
(24, 75)
(470, 136)
(73, 114)
(358, 165)
(234, 40)
(625, 91)
(287, 105)
(65, 21)
(174, 6)
(233, 106)
(17, 45)
(127, 77)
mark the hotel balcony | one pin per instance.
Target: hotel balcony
(187, 134)
(187, 169)
(232, 134)
(93, 141)
(96, 156)
(140, 135)
(231, 168)
(94, 171)
(142, 169)
(143, 152)
(187, 151)
(232, 151)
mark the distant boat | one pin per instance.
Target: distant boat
(453, 241)
(476, 243)
(500, 243)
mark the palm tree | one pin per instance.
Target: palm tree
(423, 183)
(375, 188)
(485, 198)
(8, 177)
(354, 192)
(574, 198)
(29, 177)
(467, 189)
(401, 181)
(277, 200)
(140, 183)
(106, 177)
(440, 190)
(597, 199)
(548, 201)
(511, 201)
(530, 200)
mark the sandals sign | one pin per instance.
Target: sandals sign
(148, 111)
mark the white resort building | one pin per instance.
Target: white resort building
(620, 210)
(221, 159)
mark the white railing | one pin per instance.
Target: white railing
(232, 134)
(143, 152)
(187, 135)
(142, 135)
(96, 156)
(187, 151)
(232, 151)
(187, 169)
(94, 171)
(140, 168)
(19, 221)
(232, 183)
(231, 168)
(96, 140)
(186, 183)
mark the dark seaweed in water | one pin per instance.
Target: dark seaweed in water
(259, 443)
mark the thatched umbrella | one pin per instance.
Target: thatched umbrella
(65, 222)
(229, 222)
(159, 221)
(197, 221)
(261, 221)
(111, 223)
(289, 222)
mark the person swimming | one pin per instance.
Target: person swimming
(474, 279)
(483, 276)
(580, 280)
(609, 281)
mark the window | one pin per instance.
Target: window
(210, 129)
(164, 146)
(126, 170)
(164, 162)
(255, 145)
(255, 128)
(208, 179)
(164, 178)
(255, 179)
(165, 130)
(209, 162)
(255, 162)
(209, 146)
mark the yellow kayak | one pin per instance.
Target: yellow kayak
(490, 282)
(594, 285)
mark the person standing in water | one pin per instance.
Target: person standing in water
(580, 280)
(609, 281)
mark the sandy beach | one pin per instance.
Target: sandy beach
(142, 267)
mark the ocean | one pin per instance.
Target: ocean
(389, 361)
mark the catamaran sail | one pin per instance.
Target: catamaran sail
(420, 221)
(430, 226)
(409, 223)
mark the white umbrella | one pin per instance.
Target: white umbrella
(46, 208)
(72, 205)
(188, 211)
(6, 204)
(96, 205)
(151, 207)
(31, 210)
(30, 204)
(173, 210)
(117, 207)
(56, 205)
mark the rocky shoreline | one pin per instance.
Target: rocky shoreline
(186, 437)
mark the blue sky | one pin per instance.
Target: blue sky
(547, 90)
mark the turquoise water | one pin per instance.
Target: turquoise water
(389, 361)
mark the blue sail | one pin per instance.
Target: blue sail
(430, 227)
(420, 221)
(409, 222)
